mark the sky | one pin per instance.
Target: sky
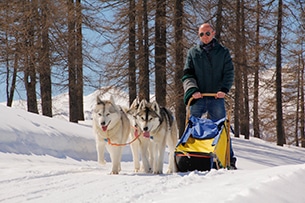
(51, 160)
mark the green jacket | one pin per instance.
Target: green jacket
(207, 72)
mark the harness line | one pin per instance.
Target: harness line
(137, 135)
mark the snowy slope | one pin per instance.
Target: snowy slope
(51, 160)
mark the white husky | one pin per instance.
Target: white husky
(110, 123)
(142, 145)
(160, 124)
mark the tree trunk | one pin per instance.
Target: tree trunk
(73, 111)
(179, 61)
(246, 115)
(160, 52)
(79, 62)
(146, 52)
(297, 117)
(219, 22)
(29, 69)
(279, 111)
(10, 87)
(44, 65)
(238, 77)
(256, 74)
(10, 91)
(302, 104)
(143, 52)
(132, 53)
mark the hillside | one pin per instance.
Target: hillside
(51, 160)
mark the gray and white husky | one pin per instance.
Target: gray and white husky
(142, 146)
(159, 123)
(110, 123)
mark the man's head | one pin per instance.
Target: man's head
(206, 33)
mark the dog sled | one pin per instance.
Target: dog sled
(204, 144)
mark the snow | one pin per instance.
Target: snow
(51, 160)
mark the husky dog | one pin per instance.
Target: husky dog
(110, 123)
(142, 145)
(159, 123)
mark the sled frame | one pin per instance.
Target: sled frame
(229, 102)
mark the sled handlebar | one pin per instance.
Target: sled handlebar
(227, 98)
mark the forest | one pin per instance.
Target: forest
(139, 46)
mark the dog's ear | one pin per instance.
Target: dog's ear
(155, 106)
(114, 104)
(98, 100)
(135, 103)
(142, 104)
(112, 99)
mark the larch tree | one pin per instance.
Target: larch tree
(180, 110)
(143, 52)
(132, 81)
(160, 52)
(279, 111)
(219, 20)
(28, 36)
(302, 102)
(44, 67)
(238, 75)
(79, 60)
(10, 12)
(245, 116)
(256, 132)
(73, 115)
(300, 126)
(74, 39)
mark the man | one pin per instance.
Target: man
(208, 69)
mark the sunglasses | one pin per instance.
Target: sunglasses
(202, 34)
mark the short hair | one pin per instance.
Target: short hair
(211, 26)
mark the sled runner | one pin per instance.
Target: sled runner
(204, 144)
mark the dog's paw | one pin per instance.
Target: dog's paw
(114, 173)
(148, 171)
(145, 171)
(170, 171)
(102, 162)
(157, 172)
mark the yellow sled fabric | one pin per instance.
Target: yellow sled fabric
(207, 153)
